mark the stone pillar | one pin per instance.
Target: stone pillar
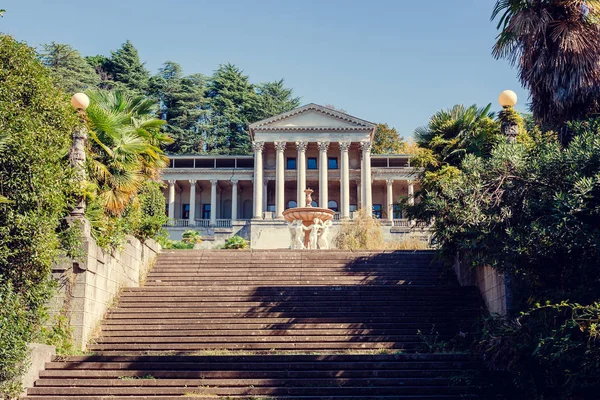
(280, 180)
(323, 178)
(258, 179)
(390, 199)
(234, 199)
(358, 194)
(301, 166)
(265, 194)
(213, 202)
(192, 218)
(411, 193)
(172, 199)
(345, 186)
(367, 183)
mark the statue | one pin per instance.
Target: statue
(323, 240)
(314, 233)
(297, 232)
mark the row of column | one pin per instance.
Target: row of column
(301, 147)
(213, 201)
(390, 197)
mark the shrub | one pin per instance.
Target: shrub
(191, 237)
(236, 243)
(361, 233)
(38, 121)
(152, 204)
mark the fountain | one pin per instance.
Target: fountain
(309, 226)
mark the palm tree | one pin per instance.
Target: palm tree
(452, 133)
(125, 146)
(556, 46)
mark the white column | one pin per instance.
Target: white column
(301, 166)
(172, 199)
(390, 199)
(367, 183)
(213, 202)
(280, 180)
(323, 178)
(411, 193)
(258, 179)
(265, 194)
(192, 219)
(234, 199)
(358, 194)
(345, 175)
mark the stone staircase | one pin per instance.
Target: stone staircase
(278, 325)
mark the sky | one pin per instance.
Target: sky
(385, 61)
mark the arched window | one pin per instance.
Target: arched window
(292, 204)
(314, 204)
(333, 205)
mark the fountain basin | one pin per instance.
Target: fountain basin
(307, 215)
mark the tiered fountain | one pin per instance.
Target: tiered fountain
(309, 225)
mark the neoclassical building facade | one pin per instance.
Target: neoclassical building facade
(309, 147)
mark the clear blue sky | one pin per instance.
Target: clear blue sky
(394, 61)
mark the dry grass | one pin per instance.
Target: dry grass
(364, 233)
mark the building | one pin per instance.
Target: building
(311, 146)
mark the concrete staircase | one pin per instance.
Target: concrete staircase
(278, 325)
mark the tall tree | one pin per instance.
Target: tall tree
(69, 69)
(233, 105)
(127, 70)
(556, 46)
(274, 98)
(387, 140)
(183, 105)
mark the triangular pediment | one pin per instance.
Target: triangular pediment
(312, 116)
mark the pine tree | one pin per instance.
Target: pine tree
(233, 105)
(126, 69)
(387, 140)
(69, 69)
(274, 98)
(183, 106)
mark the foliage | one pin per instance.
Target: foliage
(127, 70)
(152, 207)
(551, 350)
(16, 329)
(236, 243)
(71, 71)
(274, 98)
(191, 237)
(183, 105)
(59, 334)
(37, 121)
(387, 140)
(556, 47)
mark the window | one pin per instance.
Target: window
(291, 163)
(397, 211)
(206, 211)
(292, 204)
(185, 211)
(314, 204)
(353, 207)
(377, 210)
(312, 163)
(333, 205)
(271, 208)
(332, 163)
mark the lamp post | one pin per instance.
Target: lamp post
(80, 102)
(508, 116)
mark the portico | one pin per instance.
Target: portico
(312, 146)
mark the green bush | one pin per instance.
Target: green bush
(191, 237)
(38, 121)
(236, 243)
(152, 205)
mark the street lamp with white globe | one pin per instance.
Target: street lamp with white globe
(509, 117)
(77, 158)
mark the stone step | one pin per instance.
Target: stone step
(167, 331)
(211, 320)
(138, 348)
(253, 326)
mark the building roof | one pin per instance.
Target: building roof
(292, 121)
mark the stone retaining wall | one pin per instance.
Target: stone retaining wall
(89, 287)
(491, 284)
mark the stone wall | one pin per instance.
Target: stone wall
(491, 284)
(88, 287)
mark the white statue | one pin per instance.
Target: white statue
(323, 241)
(297, 233)
(314, 233)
